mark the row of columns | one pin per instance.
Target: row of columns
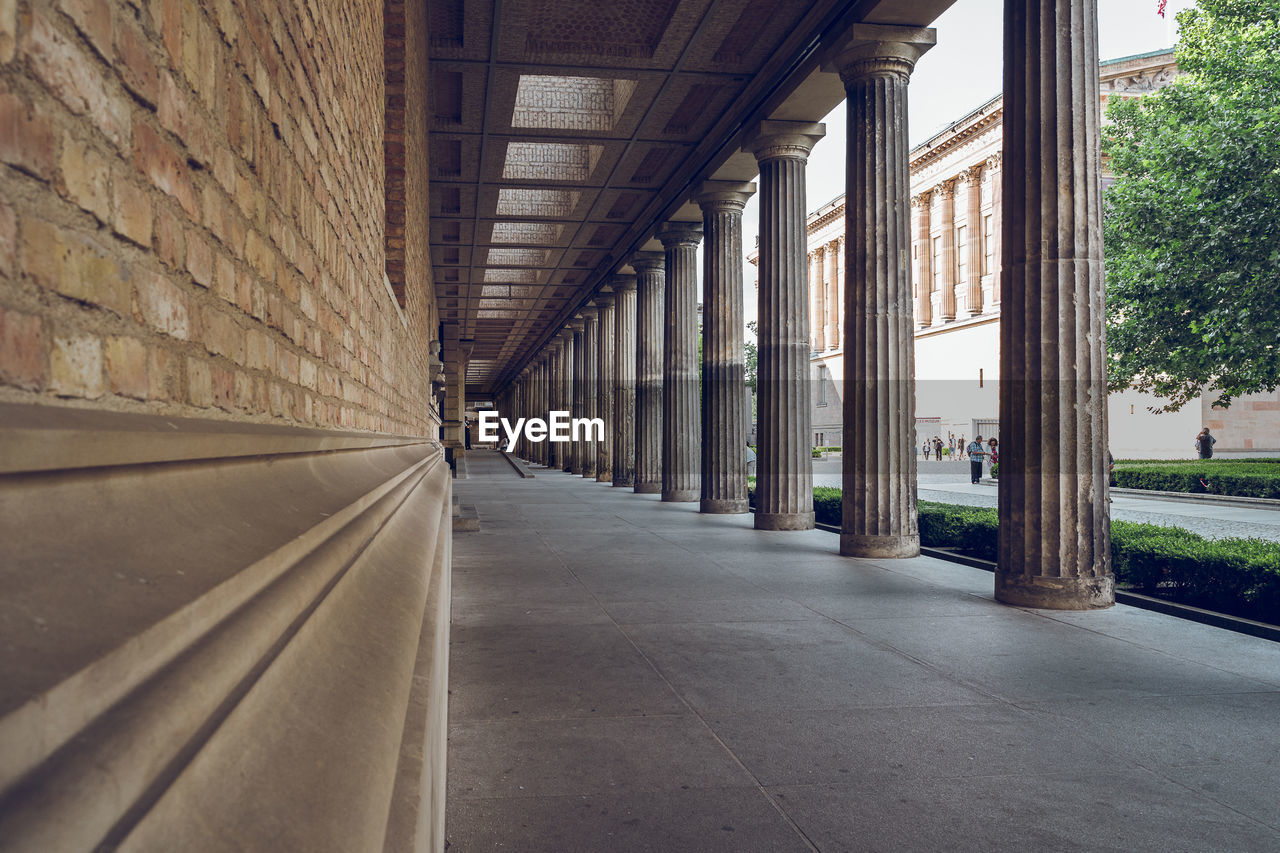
(826, 271)
(1054, 548)
(946, 266)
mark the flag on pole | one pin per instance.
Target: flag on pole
(1160, 8)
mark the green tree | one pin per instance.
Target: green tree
(753, 356)
(1192, 223)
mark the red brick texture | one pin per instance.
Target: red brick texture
(194, 217)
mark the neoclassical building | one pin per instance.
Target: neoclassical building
(955, 261)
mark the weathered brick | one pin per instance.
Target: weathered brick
(199, 383)
(259, 255)
(74, 79)
(93, 18)
(223, 382)
(224, 281)
(75, 366)
(164, 375)
(27, 140)
(84, 177)
(127, 367)
(131, 214)
(22, 350)
(8, 29)
(8, 240)
(171, 244)
(136, 66)
(261, 354)
(244, 391)
(177, 117)
(164, 165)
(222, 335)
(162, 306)
(73, 265)
(199, 260)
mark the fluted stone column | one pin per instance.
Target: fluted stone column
(681, 412)
(947, 190)
(578, 388)
(590, 386)
(1055, 542)
(624, 396)
(879, 516)
(565, 448)
(784, 472)
(605, 380)
(818, 283)
(924, 252)
(724, 391)
(973, 298)
(555, 367)
(997, 217)
(834, 277)
(650, 297)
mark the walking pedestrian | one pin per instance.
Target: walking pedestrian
(960, 445)
(1204, 444)
(976, 453)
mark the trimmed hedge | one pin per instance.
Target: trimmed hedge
(1240, 478)
(1237, 576)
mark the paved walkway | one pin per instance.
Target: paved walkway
(630, 675)
(948, 482)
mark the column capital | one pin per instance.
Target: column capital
(819, 252)
(646, 261)
(674, 234)
(878, 50)
(723, 195)
(995, 160)
(922, 199)
(466, 347)
(947, 188)
(622, 283)
(783, 140)
(577, 324)
(973, 174)
(603, 299)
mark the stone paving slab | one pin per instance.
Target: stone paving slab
(632, 675)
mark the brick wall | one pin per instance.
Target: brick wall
(193, 211)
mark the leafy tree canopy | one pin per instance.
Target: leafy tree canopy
(1192, 224)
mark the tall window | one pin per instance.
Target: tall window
(988, 245)
(822, 384)
(962, 254)
(937, 265)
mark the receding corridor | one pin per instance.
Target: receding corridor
(628, 674)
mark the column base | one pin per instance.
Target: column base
(624, 483)
(604, 477)
(724, 507)
(590, 475)
(1083, 593)
(862, 545)
(784, 520)
(648, 488)
(681, 495)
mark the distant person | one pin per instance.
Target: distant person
(976, 454)
(1205, 443)
(962, 447)
(937, 447)
(924, 449)
(951, 445)
(993, 450)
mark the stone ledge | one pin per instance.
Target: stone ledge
(151, 607)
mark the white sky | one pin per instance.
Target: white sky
(962, 72)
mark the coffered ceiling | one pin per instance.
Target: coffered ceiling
(564, 131)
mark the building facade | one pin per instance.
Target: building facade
(955, 264)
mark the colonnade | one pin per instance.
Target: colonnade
(630, 355)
